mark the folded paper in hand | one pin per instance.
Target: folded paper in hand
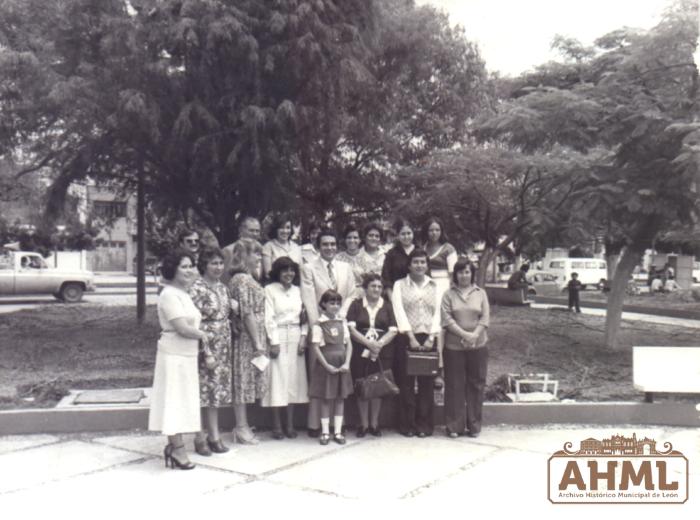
(260, 362)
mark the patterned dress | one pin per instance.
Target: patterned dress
(249, 384)
(362, 263)
(355, 262)
(214, 303)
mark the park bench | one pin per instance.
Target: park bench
(505, 296)
(669, 370)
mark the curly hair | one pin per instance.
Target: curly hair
(171, 261)
(368, 278)
(206, 256)
(373, 226)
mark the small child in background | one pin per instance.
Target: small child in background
(330, 378)
(574, 286)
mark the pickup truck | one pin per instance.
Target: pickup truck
(24, 272)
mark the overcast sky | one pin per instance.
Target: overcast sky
(515, 35)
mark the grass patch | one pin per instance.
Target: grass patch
(48, 350)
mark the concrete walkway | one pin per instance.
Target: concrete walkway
(631, 316)
(503, 471)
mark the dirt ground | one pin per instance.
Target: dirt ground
(46, 351)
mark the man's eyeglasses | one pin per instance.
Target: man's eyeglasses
(192, 241)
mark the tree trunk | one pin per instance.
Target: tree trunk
(629, 258)
(140, 249)
(611, 261)
(484, 264)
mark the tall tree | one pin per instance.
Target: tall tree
(634, 96)
(497, 196)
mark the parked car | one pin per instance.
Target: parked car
(544, 283)
(24, 272)
(591, 271)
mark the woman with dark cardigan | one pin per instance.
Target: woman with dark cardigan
(372, 329)
(396, 260)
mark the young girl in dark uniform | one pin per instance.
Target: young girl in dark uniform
(330, 378)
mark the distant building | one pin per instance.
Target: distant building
(115, 216)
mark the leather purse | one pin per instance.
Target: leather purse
(374, 386)
(422, 363)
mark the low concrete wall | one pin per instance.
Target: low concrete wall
(75, 420)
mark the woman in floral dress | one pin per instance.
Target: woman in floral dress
(212, 299)
(249, 382)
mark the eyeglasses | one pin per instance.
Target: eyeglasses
(192, 241)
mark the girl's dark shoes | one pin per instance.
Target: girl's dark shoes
(339, 438)
(172, 461)
(324, 439)
(201, 448)
(217, 446)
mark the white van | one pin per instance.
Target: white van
(591, 271)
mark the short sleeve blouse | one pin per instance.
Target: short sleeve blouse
(174, 303)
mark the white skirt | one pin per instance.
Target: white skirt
(175, 395)
(442, 281)
(286, 376)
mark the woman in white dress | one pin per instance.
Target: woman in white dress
(280, 244)
(175, 396)
(286, 334)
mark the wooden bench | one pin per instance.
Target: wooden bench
(505, 296)
(671, 370)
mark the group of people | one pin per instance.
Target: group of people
(284, 324)
(662, 280)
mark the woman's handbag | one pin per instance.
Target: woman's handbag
(422, 363)
(379, 384)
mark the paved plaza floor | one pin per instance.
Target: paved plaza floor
(503, 471)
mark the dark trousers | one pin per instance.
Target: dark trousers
(415, 410)
(465, 380)
(574, 301)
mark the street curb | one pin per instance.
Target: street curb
(683, 314)
(96, 419)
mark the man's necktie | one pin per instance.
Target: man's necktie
(331, 275)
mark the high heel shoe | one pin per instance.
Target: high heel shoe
(202, 448)
(172, 462)
(244, 436)
(217, 446)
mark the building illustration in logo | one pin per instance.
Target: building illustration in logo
(618, 445)
(617, 469)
